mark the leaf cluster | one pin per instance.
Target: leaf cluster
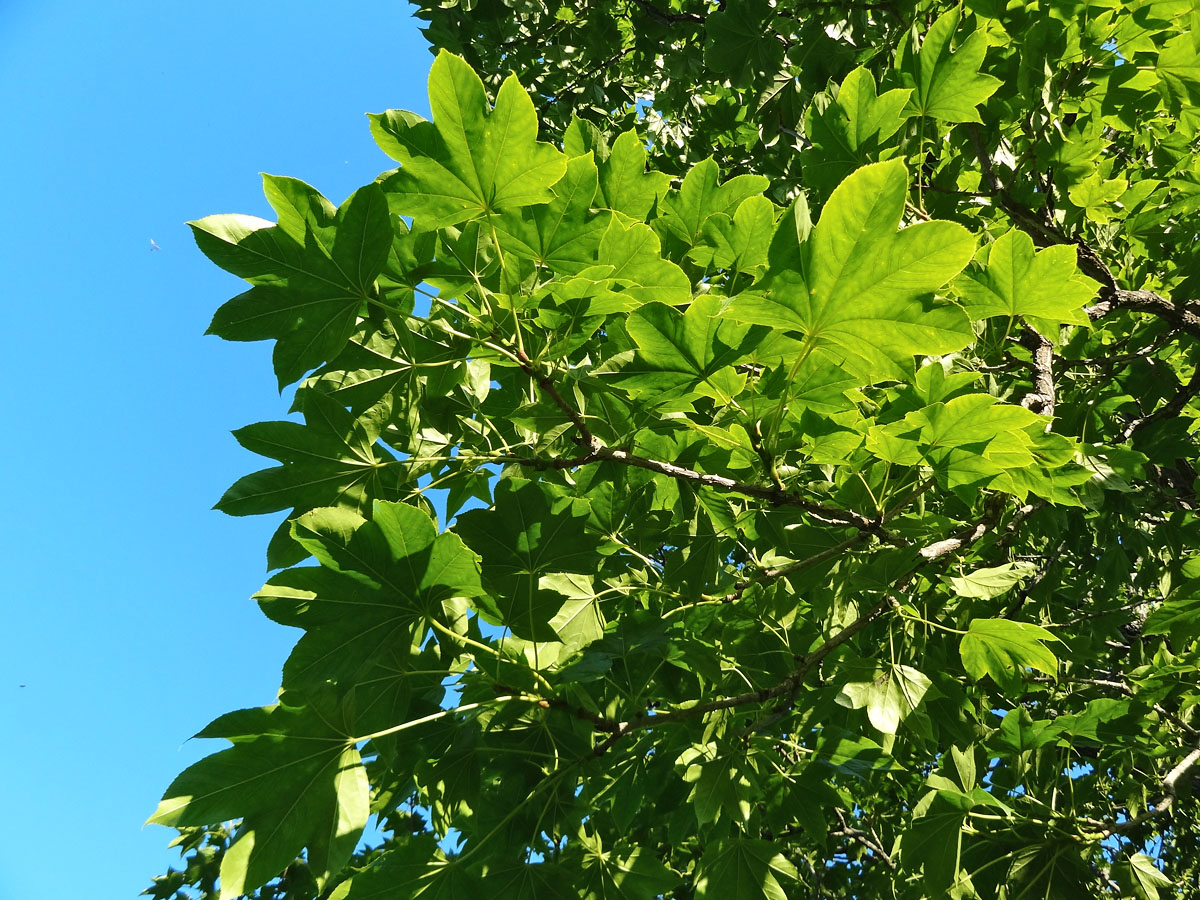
(763, 473)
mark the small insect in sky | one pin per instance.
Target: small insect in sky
(154, 245)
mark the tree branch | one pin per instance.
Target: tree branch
(870, 841)
(1168, 410)
(1164, 804)
(1042, 399)
(666, 17)
(807, 662)
(596, 450)
(1184, 316)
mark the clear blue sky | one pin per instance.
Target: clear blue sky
(124, 597)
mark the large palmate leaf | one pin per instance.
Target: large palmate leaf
(294, 779)
(852, 128)
(332, 459)
(1005, 649)
(686, 352)
(562, 235)
(701, 196)
(611, 876)
(947, 83)
(863, 292)
(379, 579)
(888, 698)
(740, 243)
(1178, 616)
(537, 540)
(469, 161)
(744, 869)
(312, 273)
(934, 842)
(736, 44)
(634, 254)
(624, 182)
(1020, 281)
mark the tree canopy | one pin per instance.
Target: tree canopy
(763, 472)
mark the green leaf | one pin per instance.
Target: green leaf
(1004, 649)
(399, 548)
(933, 843)
(633, 253)
(700, 196)
(562, 235)
(624, 182)
(1178, 70)
(537, 540)
(293, 777)
(1020, 733)
(991, 581)
(332, 459)
(852, 755)
(414, 868)
(468, 162)
(739, 41)
(889, 697)
(685, 353)
(1052, 870)
(363, 238)
(947, 83)
(1021, 282)
(1178, 616)
(970, 419)
(743, 869)
(312, 273)
(740, 243)
(304, 213)
(1140, 876)
(863, 294)
(851, 129)
(378, 581)
(720, 789)
(612, 877)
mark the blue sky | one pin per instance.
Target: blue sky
(124, 597)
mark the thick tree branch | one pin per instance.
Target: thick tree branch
(585, 438)
(1184, 316)
(1042, 399)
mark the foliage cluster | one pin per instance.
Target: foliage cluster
(777, 481)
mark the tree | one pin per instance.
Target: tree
(809, 513)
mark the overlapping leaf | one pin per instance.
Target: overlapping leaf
(377, 581)
(537, 540)
(1005, 649)
(312, 273)
(468, 161)
(1018, 281)
(947, 82)
(294, 779)
(863, 293)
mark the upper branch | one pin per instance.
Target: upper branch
(596, 450)
(1169, 782)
